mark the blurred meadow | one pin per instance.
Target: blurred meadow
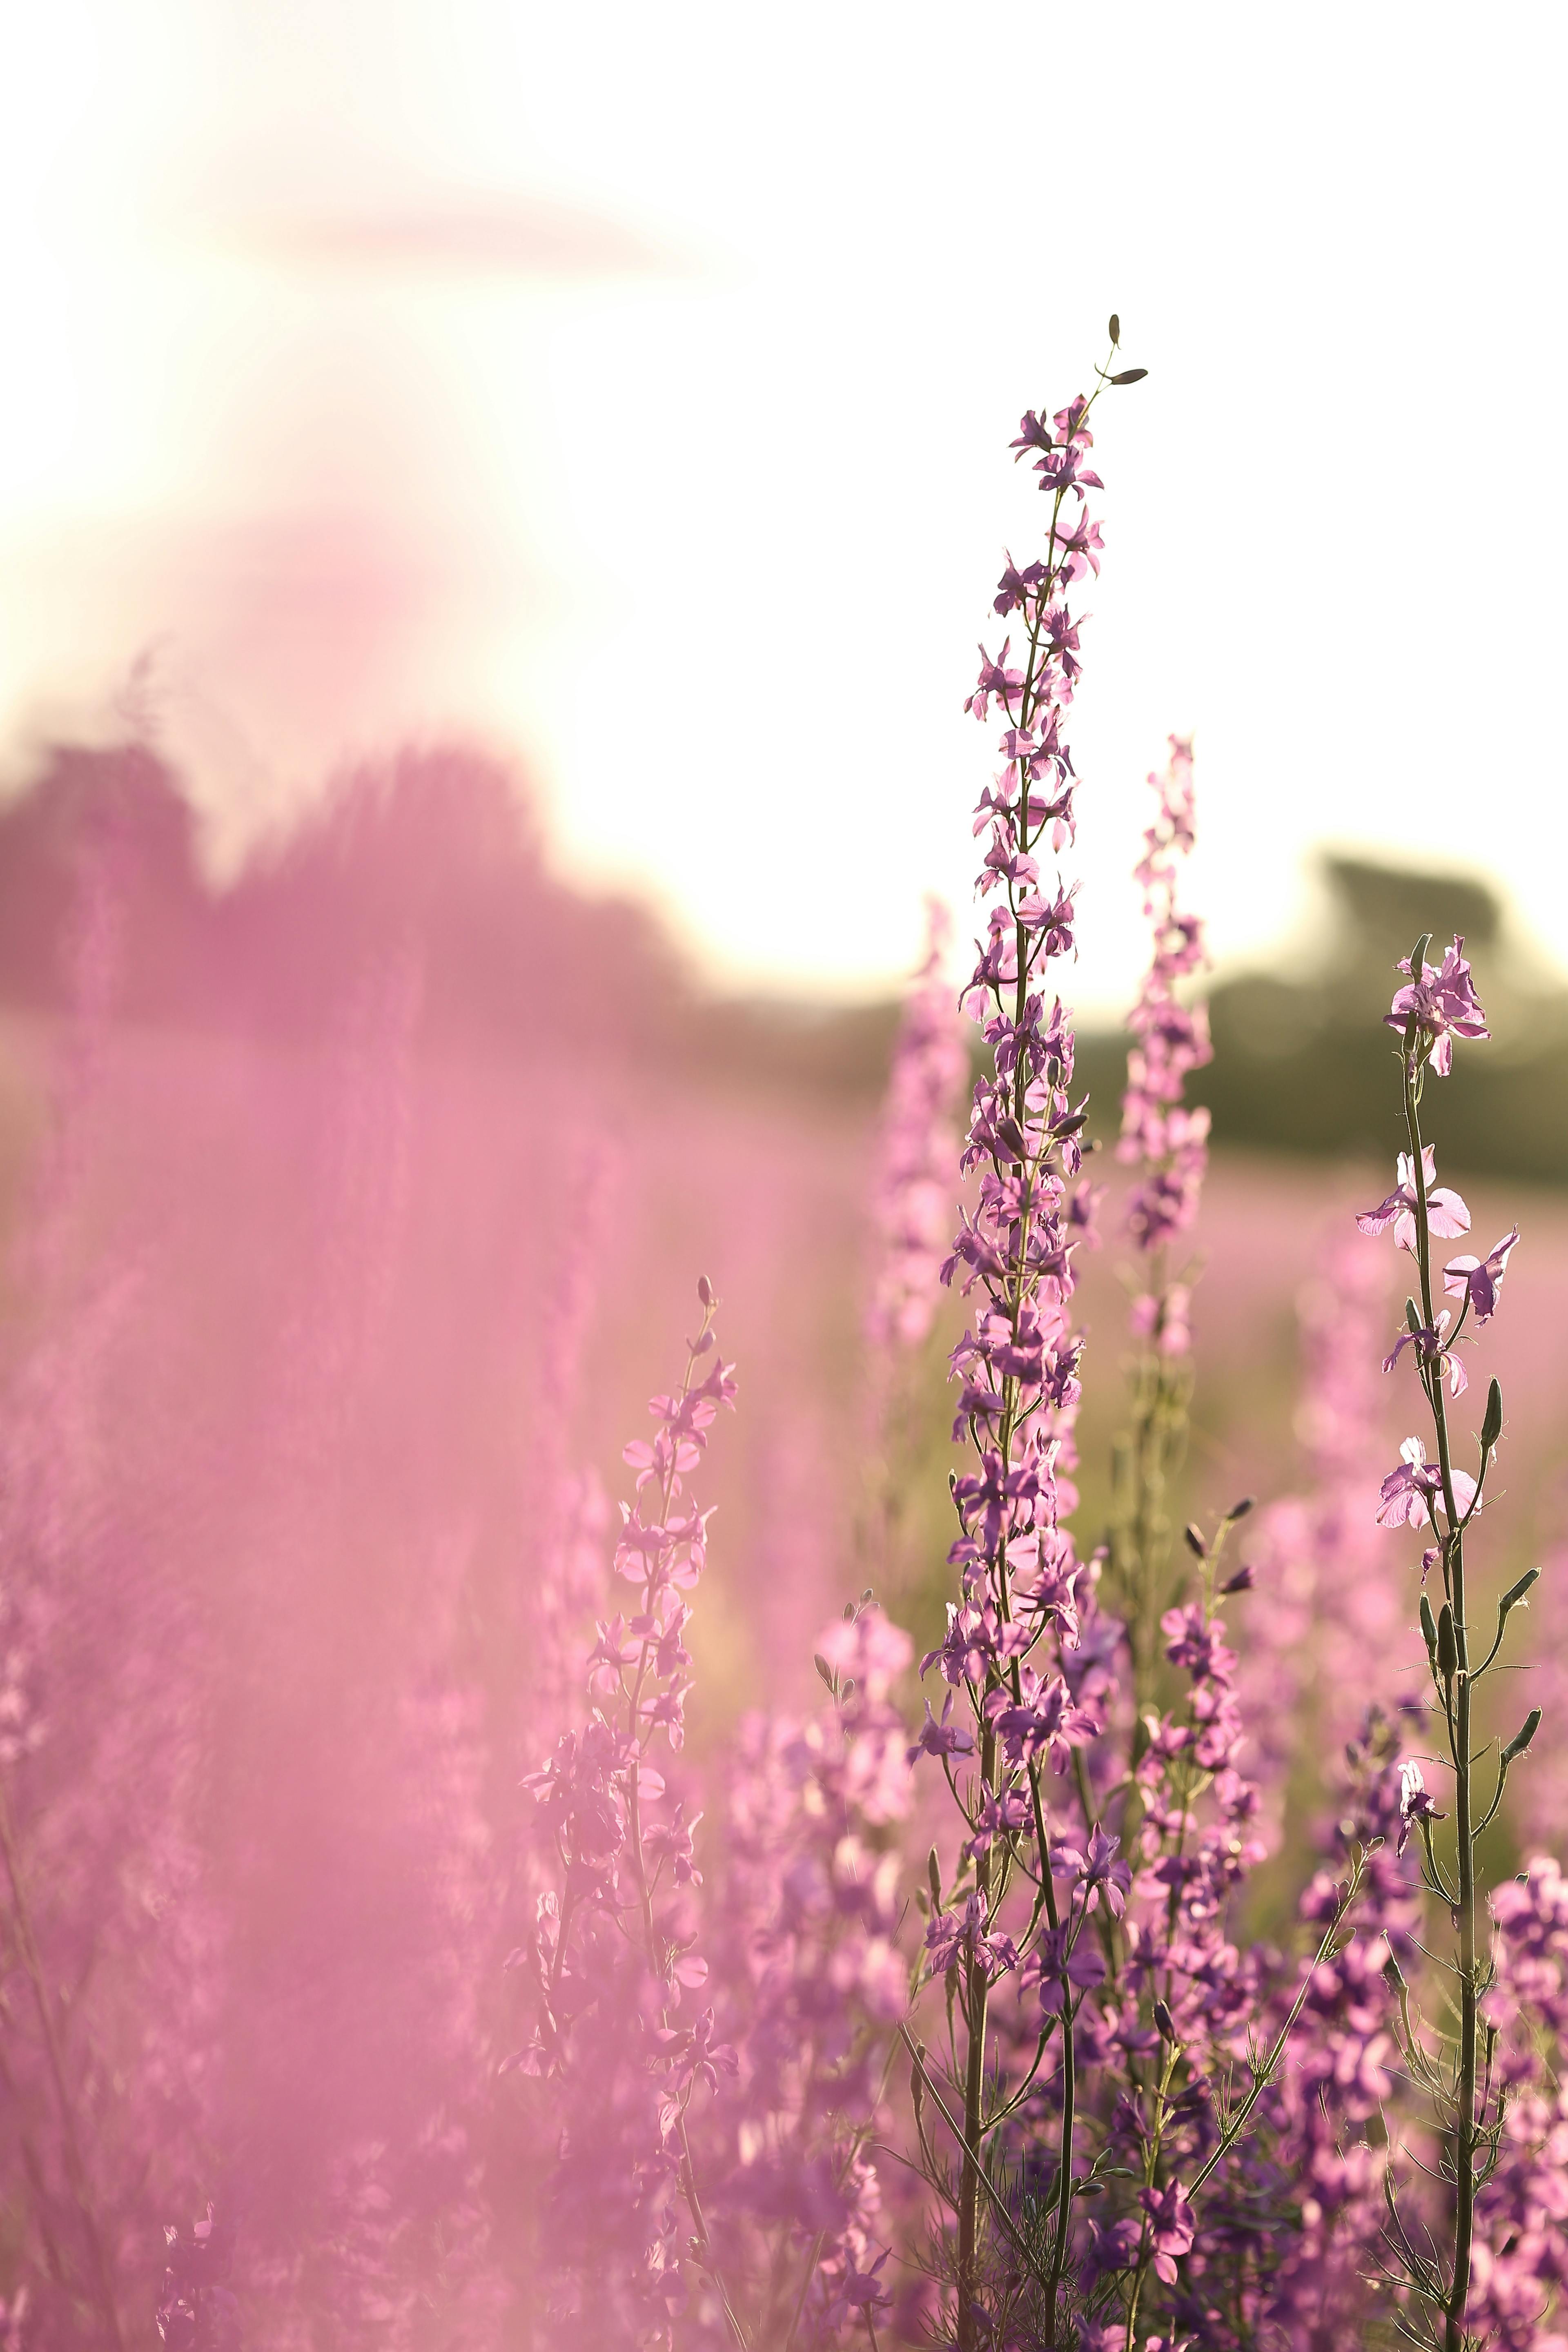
(350, 1211)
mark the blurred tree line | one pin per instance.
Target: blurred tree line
(440, 846)
(1303, 1063)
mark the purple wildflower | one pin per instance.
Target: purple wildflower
(1479, 1280)
(1407, 1492)
(967, 1935)
(1173, 2227)
(1445, 1211)
(1170, 1141)
(1444, 1006)
(1415, 1802)
(1428, 1344)
(945, 1737)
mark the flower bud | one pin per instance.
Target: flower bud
(1239, 1510)
(1164, 2025)
(1195, 1543)
(1491, 1427)
(705, 1290)
(1130, 376)
(1243, 1580)
(1447, 1651)
(822, 1668)
(1522, 1737)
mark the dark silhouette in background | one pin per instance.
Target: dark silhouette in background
(444, 855)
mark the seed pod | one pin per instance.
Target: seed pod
(704, 1290)
(1412, 1319)
(1130, 376)
(1418, 954)
(1523, 1736)
(1516, 1592)
(1491, 1426)
(1447, 1651)
(1115, 328)
(822, 1668)
(1428, 1627)
(933, 1877)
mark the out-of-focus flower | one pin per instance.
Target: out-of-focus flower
(1168, 1141)
(915, 1182)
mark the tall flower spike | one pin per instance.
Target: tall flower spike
(1169, 1141)
(915, 1178)
(1017, 1364)
(1469, 2112)
(613, 1959)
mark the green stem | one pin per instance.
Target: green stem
(1460, 1746)
(976, 2000)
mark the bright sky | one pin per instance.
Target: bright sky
(633, 386)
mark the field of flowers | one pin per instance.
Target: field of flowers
(998, 1823)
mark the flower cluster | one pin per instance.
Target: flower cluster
(612, 1959)
(1520, 2259)
(1327, 1621)
(1159, 1133)
(1326, 2121)
(914, 1182)
(1436, 1007)
(197, 2311)
(804, 1945)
